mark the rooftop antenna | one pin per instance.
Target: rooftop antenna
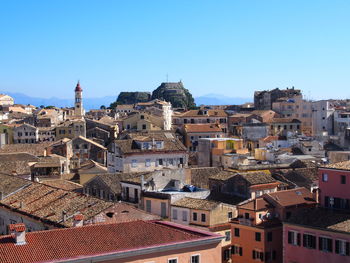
(167, 79)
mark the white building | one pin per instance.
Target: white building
(25, 133)
(322, 118)
(146, 153)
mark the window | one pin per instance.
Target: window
(269, 236)
(309, 241)
(258, 255)
(195, 259)
(342, 247)
(159, 145)
(173, 260)
(175, 214)
(343, 179)
(203, 217)
(148, 163)
(148, 206)
(237, 250)
(229, 215)
(257, 236)
(294, 238)
(142, 117)
(236, 232)
(194, 216)
(160, 161)
(325, 244)
(184, 216)
(227, 235)
(133, 163)
(246, 215)
(144, 127)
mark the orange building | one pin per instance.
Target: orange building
(257, 231)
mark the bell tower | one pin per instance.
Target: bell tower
(78, 104)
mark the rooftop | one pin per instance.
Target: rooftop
(194, 203)
(98, 240)
(202, 127)
(48, 204)
(199, 113)
(339, 166)
(321, 218)
(292, 197)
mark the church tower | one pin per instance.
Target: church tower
(78, 105)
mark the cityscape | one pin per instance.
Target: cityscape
(177, 172)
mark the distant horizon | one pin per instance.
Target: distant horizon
(227, 47)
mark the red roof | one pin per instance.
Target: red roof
(78, 88)
(97, 240)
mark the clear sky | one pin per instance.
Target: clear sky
(227, 47)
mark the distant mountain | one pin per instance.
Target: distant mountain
(217, 99)
(89, 103)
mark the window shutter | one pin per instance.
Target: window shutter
(304, 240)
(330, 245)
(347, 245)
(298, 239)
(337, 246)
(320, 243)
(233, 250)
(313, 242)
(253, 255)
(289, 237)
(262, 256)
(241, 251)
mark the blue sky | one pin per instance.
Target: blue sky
(227, 47)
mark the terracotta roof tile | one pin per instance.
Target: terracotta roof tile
(194, 203)
(87, 241)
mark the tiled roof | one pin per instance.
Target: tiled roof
(256, 205)
(9, 184)
(292, 197)
(202, 128)
(16, 163)
(211, 113)
(302, 177)
(255, 178)
(89, 141)
(63, 184)
(200, 176)
(96, 240)
(194, 203)
(122, 212)
(112, 180)
(49, 203)
(321, 218)
(37, 149)
(223, 175)
(340, 166)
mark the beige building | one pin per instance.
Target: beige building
(201, 212)
(6, 100)
(296, 108)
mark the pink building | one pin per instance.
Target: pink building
(322, 234)
(334, 185)
(317, 235)
(132, 242)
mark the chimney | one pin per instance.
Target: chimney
(64, 216)
(142, 182)
(19, 231)
(78, 220)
